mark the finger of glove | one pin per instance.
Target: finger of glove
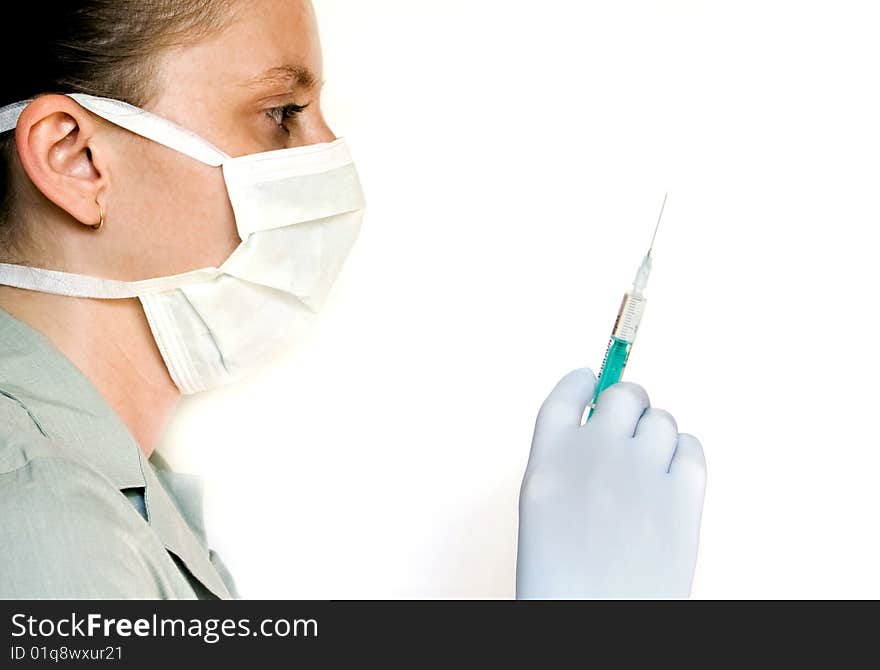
(656, 437)
(688, 466)
(619, 409)
(564, 407)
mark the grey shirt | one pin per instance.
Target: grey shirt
(83, 514)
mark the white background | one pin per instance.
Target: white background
(514, 156)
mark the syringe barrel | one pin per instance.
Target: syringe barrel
(622, 337)
(613, 366)
(629, 317)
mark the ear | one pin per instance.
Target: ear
(56, 139)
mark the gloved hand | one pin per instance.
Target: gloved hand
(610, 509)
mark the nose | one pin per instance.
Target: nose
(318, 131)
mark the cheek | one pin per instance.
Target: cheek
(177, 215)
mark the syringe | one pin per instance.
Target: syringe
(627, 325)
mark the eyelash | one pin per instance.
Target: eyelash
(279, 114)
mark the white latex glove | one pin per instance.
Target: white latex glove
(610, 509)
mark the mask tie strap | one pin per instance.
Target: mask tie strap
(84, 286)
(136, 120)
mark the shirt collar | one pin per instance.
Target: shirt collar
(67, 408)
(65, 405)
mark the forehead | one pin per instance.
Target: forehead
(263, 43)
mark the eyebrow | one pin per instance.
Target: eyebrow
(295, 75)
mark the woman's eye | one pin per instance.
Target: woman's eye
(281, 114)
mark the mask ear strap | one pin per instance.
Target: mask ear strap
(136, 120)
(145, 124)
(9, 115)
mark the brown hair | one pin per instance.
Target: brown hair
(101, 47)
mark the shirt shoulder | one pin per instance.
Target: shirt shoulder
(19, 433)
(68, 533)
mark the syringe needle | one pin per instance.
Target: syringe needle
(659, 219)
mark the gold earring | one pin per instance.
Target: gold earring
(96, 227)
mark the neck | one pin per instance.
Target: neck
(111, 344)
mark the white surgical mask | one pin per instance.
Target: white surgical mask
(298, 212)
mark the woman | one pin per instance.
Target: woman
(149, 254)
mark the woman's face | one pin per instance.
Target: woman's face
(239, 88)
